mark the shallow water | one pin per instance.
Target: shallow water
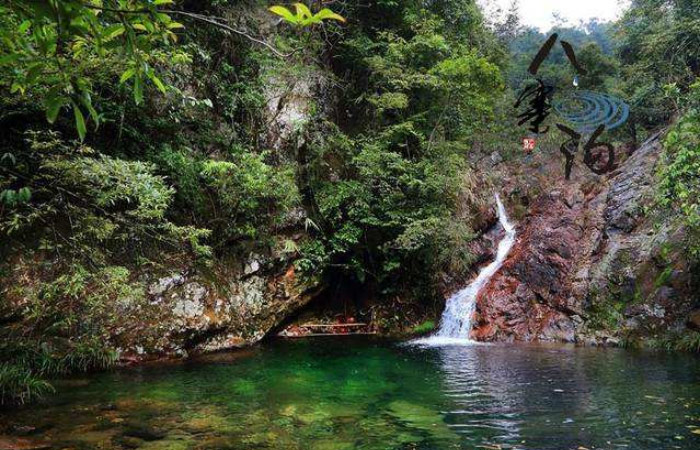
(353, 393)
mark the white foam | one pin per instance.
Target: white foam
(456, 321)
(438, 341)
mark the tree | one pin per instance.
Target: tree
(599, 66)
(511, 26)
(659, 46)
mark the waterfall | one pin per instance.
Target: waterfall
(456, 322)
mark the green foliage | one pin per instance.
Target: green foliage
(51, 48)
(251, 196)
(687, 341)
(424, 328)
(304, 17)
(18, 385)
(606, 315)
(659, 45)
(679, 188)
(600, 67)
(79, 199)
(64, 327)
(592, 42)
(384, 197)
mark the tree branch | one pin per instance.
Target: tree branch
(226, 27)
(207, 19)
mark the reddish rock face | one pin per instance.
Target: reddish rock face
(527, 299)
(583, 246)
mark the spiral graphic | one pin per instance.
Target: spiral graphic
(587, 110)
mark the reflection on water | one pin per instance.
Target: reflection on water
(364, 394)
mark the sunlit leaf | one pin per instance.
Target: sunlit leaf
(113, 31)
(303, 11)
(24, 26)
(79, 122)
(138, 91)
(159, 84)
(128, 73)
(327, 14)
(284, 12)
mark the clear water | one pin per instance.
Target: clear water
(456, 321)
(353, 393)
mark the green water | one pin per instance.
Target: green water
(369, 394)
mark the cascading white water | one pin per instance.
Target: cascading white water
(456, 322)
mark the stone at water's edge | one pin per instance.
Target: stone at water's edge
(587, 251)
(188, 313)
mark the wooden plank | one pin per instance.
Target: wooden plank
(325, 335)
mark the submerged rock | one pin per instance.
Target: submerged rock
(143, 432)
(11, 443)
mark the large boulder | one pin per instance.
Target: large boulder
(187, 312)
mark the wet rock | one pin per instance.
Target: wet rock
(496, 158)
(665, 295)
(128, 441)
(187, 313)
(694, 320)
(13, 443)
(164, 284)
(189, 305)
(251, 266)
(143, 432)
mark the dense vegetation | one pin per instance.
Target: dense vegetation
(135, 139)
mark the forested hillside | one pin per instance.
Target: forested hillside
(180, 176)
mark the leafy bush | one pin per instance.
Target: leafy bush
(252, 197)
(65, 327)
(384, 192)
(659, 44)
(679, 188)
(688, 341)
(78, 199)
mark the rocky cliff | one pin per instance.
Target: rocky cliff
(593, 263)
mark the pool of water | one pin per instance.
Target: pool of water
(373, 394)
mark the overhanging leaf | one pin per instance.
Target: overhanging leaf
(79, 122)
(327, 14)
(53, 107)
(284, 13)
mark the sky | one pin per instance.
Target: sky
(539, 13)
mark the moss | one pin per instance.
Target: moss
(424, 328)
(663, 278)
(606, 315)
